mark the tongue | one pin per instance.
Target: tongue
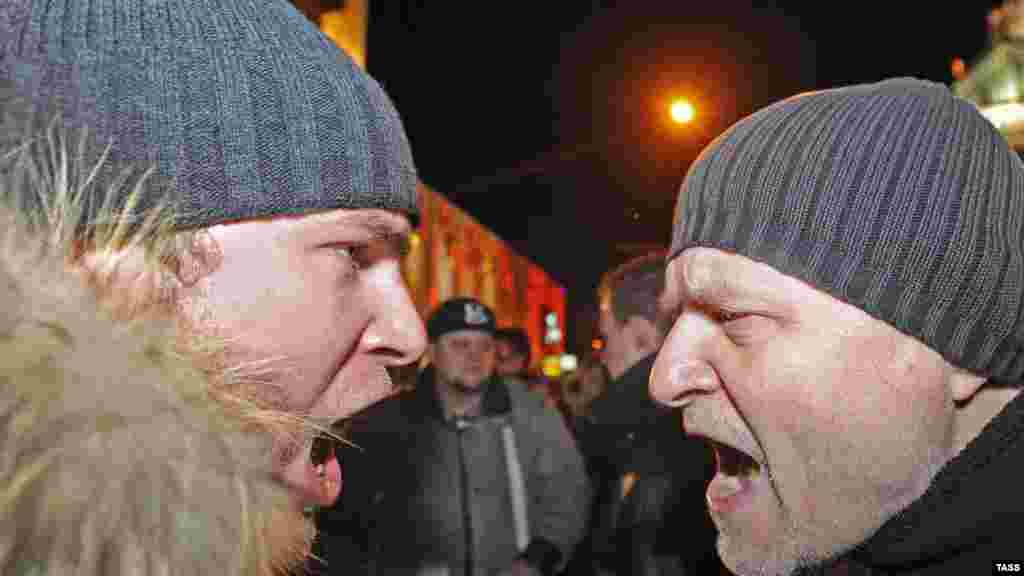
(332, 484)
(326, 482)
(724, 486)
(313, 488)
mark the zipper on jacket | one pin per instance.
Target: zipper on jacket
(461, 426)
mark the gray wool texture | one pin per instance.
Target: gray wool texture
(245, 109)
(896, 197)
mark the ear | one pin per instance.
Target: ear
(975, 405)
(964, 385)
(197, 256)
(643, 333)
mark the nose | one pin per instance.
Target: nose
(396, 330)
(684, 368)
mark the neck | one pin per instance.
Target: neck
(456, 403)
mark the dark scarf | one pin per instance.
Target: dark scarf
(969, 518)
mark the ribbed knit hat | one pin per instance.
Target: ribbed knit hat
(243, 106)
(895, 197)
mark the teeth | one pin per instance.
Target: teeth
(327, 486)
(724, 486)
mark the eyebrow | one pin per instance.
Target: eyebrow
(377, 226)
(710, 281)
(375, 223)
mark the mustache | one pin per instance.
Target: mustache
(330, 435)
(296, 431)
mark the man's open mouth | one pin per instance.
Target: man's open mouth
(733, 462)
(323, 477)
(734, 480)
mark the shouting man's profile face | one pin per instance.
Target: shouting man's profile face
(825, 421)
(318, 304)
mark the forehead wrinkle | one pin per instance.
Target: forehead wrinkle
(670, 294)
(703, 278)
(728, 280)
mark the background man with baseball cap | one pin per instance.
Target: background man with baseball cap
(469, 474)
(847, 280)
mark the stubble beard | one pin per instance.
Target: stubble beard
(263, 384)
(792, 555)
(465, 389)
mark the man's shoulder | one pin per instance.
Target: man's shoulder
(515, 384)
(520, 395)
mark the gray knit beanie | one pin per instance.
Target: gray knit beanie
(895, 197)
(245, 109)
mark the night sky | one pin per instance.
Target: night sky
(550, 124)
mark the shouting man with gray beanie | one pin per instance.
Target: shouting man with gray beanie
(271, 172)
(846, 280)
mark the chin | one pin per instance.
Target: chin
(777, 559)
(290, 537)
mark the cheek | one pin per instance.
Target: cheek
(855, 437)
(489, 361)
(295, 326)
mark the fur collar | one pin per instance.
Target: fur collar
(124, 448)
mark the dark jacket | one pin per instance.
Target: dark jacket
(664, 513)
(970, 517)
(426, 493)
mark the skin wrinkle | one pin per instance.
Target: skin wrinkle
(708, 286)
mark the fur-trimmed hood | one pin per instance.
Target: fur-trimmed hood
(124, 447)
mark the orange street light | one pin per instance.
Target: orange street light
(959, 69)
(682, 111)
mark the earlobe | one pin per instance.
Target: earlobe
(964, 385)
(975, 405)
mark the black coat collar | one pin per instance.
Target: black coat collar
(972, 509)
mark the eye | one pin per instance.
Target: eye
(344, 251)
(745, 328)
(727, 316)
(351, 256)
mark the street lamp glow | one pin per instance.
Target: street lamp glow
(682, 112)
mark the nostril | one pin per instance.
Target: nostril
(685, 397)
(390, 355)
(684, 382)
